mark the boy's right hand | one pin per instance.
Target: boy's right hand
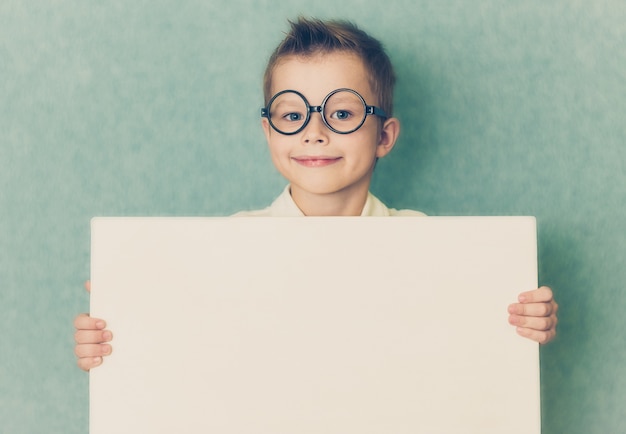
(91, 340)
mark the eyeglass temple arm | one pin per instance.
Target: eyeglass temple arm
(373, 110)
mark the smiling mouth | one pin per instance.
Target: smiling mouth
(316, 161)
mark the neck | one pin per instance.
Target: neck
(340, 203)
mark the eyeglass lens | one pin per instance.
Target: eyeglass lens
(343, 111)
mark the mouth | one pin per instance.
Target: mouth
(315, 160)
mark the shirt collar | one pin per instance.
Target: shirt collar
(284, 206)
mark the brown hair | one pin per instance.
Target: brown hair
(310, 36)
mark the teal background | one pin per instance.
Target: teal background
(152, 108)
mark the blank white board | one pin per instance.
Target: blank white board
(313, 325)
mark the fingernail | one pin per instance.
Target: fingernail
(97, 360)
(106, 350)
(522, 298)
(100, 324)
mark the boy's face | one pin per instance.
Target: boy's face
(318, 161)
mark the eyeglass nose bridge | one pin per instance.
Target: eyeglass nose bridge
(316, 109)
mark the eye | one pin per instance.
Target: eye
(293, 117)
(341, 115)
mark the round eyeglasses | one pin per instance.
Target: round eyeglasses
(343, 111)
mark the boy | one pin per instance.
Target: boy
(328, 118)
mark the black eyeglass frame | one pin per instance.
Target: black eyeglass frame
(369, 110)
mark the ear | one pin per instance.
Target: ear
(266, 128)
(388, 135)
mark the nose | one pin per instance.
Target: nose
(316, 131)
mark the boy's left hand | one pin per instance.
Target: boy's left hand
(535, 315)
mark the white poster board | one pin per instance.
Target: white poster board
(313, 325)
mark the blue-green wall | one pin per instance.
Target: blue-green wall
(151, 108)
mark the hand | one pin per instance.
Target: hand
(91, 339)
(535, 315)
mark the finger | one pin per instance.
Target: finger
(88, 285)
(533, 309)
(92, 350)
(92, 336)
(542, 337)
(534, 323)
(87, 363)
(539, 295)
(85, 322)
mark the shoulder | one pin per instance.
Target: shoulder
(265, 212)
(405, 213)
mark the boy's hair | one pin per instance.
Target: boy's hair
(312, 36)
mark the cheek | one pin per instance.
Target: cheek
(367, 144)
(278, 148)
